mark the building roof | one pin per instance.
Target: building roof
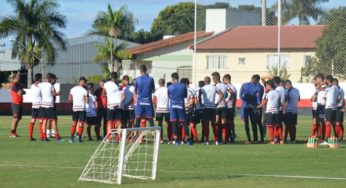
(167, 42)
(264, 38)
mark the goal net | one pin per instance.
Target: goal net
(131, 152)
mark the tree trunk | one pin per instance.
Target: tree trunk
(30, 71)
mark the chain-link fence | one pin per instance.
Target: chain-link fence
(247, 39)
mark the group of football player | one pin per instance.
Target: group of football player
(122, 104)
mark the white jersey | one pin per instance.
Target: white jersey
(222, 88)
(231, 90)
(282, 93)
(208, 94)
(331, 95)
(341, 97)
(78, 95)
(321, 94)
(36, 96)
(292, 98)
(90, 107)
(162, 105)
(191, 94)
(113, 94)
(47, 94)
(273, 101)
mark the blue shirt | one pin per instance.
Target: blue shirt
(128, 97)
(260, 94)
(177, 92)
(144, 88)
(249, 93)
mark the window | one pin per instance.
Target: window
(216, 62)
(307, 60)
(272, 61)
(241, 61)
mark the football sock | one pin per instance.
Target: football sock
(314, 129)
(89, 132)
(31, 129)
(327, 132)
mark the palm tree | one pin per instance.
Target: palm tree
(35, 26)
(115, 24)
(301, 9)
(109, 52)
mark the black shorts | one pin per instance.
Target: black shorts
(116, 114)
(162, 116)
(272, 119)
(330, 115)
(35, 113)
(93, 120)
(314, 114)
(321, 112)
(129, 115)
(198, 116)
(339, 115)
(209, 114)
(190, 117)
(48, 113)
(221, 112)
(230, 114)
(290, 119)
(79, 116)
(17, 110)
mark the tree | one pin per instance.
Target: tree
(177, 19)
(115, 24)
(279, 71)
(331, 47)
(35, 26)
(303, 10)
(143, 37)
(112, 53)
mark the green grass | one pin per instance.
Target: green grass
(59, 165)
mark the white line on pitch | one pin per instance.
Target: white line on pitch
(39, 166)
(249, 175)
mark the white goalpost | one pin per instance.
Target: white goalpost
(131, 153)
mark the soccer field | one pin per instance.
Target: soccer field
(37, 164)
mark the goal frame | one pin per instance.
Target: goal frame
(125, 155)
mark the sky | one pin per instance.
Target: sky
(81, 13)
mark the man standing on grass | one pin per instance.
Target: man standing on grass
(102, 106)
(127, 102)
(48, 112)
(144, 88)
(177, 92)
(230, 100)
(249, 94)
(221, 111)
(114, 112)
(340, 111)
(36, 105)
(206, 98)
(161, 103)
(280, 88)
(79, 97)
(331, 96)
(272, 118)
(17, 92)
(290, 111)
(190, 102)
